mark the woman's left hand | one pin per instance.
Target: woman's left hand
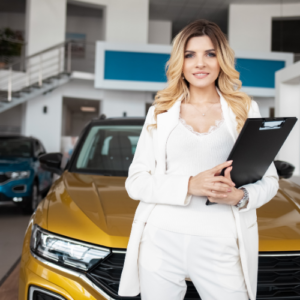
(233, 197)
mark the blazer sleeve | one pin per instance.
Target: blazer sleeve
(263, 190)
(143, 184)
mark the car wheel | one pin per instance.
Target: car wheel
(32, 202)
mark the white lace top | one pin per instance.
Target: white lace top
(188, 153)
(212, 128)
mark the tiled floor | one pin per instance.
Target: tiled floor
(12, 229)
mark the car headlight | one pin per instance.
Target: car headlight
(18, 174)
(65, 251)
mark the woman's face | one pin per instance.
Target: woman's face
(199, 57)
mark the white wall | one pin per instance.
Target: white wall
(287, 104)
(49, 127)
(250, 25)
(264, 105)
(125, 20)
(160, 32)
(46, 127)
(131, 102)
(45, 24)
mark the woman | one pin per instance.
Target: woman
(186, 138)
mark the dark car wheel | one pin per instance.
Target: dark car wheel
(30, 204)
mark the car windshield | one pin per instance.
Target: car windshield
(108, 149)
(15, 147)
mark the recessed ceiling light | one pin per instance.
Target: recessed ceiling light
(88, 108)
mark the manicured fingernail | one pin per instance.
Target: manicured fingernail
(229, 190)
(224, 195)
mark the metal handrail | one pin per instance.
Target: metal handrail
(35, 68)
(37, 54)
(13, 41)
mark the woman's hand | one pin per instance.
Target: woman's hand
(232, 197)
(203, 183)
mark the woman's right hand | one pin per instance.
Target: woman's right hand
(203, 183)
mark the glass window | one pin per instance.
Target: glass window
(108, 150)
(15, 148)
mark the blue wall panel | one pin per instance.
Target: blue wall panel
(135, 66)
(258, 72)
(150, 67)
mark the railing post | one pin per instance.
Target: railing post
(28, 72)
(59, 60)
(9, 88)
(40, 70)
(69, 58)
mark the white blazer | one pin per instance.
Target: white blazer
(148, 183)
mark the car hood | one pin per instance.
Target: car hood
(92, 208)
(14, 164)
(279, 219)
(97, 209)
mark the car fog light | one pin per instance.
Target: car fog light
(17, 199)
(65, 251)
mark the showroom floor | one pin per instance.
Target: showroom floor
(12, 229)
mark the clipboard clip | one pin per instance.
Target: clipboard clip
(269, 125)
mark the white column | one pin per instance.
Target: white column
(287, 104)
(45, 24)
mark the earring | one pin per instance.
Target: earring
(182, 76)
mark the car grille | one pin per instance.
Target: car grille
(3, 178)
(107, 275)
(278, 277)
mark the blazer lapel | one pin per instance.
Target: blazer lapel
(165, 123)
(168, 120)
(229, 116)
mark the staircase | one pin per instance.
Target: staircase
(35, 75)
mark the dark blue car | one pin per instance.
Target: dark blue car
(22, 180)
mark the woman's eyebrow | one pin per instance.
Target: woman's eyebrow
(204, 51)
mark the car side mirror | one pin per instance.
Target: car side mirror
(40, 154)
(51, 162)
(284, 169)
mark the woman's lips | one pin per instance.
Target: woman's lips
(200, 76)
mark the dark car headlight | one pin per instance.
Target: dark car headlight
(18, 174)
(65, 251)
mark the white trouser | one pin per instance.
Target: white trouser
(213, 264)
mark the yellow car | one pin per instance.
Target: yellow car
(76, 241)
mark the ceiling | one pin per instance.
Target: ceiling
(180, 12)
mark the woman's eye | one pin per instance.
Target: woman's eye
(188, 55)
(213, 55)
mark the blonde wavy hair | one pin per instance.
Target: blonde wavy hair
(228, 80)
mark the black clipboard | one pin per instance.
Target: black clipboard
(256, 147)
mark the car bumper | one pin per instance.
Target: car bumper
(15, 189)
(48, 277)
(49, 280)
